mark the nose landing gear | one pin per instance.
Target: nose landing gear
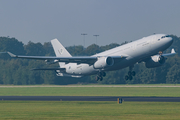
(100, 76)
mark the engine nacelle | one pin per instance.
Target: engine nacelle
(103, 62)
(155, 61)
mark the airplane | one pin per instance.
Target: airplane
(147, 49)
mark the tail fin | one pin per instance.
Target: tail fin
(59, 50)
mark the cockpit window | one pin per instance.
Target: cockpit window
(162, 37)
(165, 36)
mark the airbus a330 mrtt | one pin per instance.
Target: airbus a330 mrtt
(148, 49)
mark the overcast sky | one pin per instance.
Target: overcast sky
(115, 21)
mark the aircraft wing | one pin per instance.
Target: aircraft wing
(168, 54)
(83, 59)
(52, 59)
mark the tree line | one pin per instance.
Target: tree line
(18, 71)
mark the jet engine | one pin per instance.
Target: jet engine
(155, 61)
(103, 62)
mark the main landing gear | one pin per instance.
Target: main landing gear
(130, 74)
(100, 76)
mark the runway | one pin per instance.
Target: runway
(90, 98)
(89, 86)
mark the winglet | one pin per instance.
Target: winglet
(173, 51)
(12, 55)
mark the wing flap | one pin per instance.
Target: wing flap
(62, 69)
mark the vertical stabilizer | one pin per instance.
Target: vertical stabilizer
(59, 50)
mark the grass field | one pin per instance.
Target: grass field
(81, 110)
(46, 110)
(140, 90)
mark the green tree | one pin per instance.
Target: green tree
(18, 71)
(34, 49)
(92, 49)
(76, 50)
(48, 49)
(173, 74)
(11, 45)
